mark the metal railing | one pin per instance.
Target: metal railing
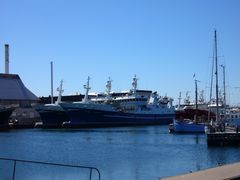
(15, 161)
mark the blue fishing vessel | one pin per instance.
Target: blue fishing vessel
(188, 126)
(191, 119)
(132, 108)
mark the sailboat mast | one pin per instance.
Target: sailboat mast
(224, 86)
(196, 102)
(211, 87)
(196, 95)
(216, 65)
(224, 97)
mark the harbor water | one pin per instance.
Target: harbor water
(129, 153)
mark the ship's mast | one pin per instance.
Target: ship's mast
(196, 95)
(108, 89)
(201, 96)
(86, 86)
(187, 98)
(224, 86)
(134, 84)
(216, 73)
(179, 100)
(224, 95)
(60, 91)
(196, 101)
(211, 87)
(109, 86)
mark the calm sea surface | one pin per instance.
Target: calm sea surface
(126, 153)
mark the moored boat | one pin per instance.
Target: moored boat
(191, 119)
(52, 115)
(188, 126)
(133, 108)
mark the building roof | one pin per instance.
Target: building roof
(12, 88)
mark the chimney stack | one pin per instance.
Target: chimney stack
(6, 59)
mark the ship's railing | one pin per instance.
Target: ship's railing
(91, 170)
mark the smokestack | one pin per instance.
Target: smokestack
(6, 59)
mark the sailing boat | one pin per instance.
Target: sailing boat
(217, 124)
(190, 120)
(197, 118)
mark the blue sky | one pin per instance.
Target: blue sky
(163, 42)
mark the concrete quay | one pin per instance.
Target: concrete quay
(225, 172)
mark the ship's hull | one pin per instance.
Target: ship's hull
(52, 117)
(4, 117)
(187, 127)
(99, 118)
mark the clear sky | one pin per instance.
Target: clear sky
(163, 42)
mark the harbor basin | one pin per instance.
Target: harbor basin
(129, 153)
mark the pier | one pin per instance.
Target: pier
(226, 172)
(223, 139)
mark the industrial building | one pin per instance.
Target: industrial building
(14, 94)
